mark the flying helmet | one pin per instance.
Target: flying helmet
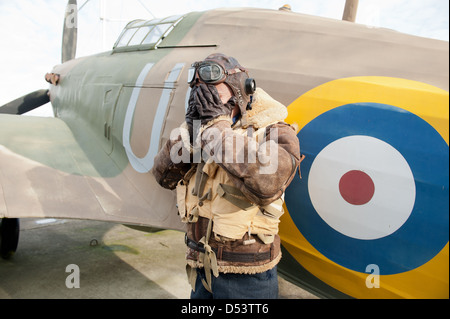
(220, 68)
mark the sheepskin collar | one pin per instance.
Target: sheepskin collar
(265, 111)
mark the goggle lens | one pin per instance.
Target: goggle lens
(210, 73)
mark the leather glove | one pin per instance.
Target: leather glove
(205, 104)
(191, 114)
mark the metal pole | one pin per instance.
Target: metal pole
(351, 6)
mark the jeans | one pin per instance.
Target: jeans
(238, 286)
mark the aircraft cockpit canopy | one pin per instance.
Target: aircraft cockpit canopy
(145, 34)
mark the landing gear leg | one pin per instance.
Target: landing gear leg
(9, 236)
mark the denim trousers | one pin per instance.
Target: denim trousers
(238, 286)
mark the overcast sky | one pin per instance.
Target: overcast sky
(31, 30)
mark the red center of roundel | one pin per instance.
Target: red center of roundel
(356, 187)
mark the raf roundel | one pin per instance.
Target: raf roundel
(374, 187)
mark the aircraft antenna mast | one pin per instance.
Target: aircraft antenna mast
(351, 6)
(103, 19)
(145, 7)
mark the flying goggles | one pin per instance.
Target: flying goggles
(211, 72)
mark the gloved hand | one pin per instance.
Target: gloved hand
(205, 104)
(191, 114)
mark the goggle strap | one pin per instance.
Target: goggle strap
(234, 71)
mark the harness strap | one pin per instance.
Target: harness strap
(192, 276)
(209, 259)
(189, 174)
(193, 217)
(200, 182)
(234, 196)
(206, 196)
(302, 157)
(272, 210)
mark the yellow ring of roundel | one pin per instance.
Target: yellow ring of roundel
(430, 280)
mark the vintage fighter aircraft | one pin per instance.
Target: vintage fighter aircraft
(369, 216)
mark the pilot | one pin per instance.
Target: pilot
(230, 162)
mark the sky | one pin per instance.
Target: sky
(31, 30)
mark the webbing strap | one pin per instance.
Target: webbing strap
(206, 196)
(273, 210)
(200, 181)
(192, 276)
(234, 196)
(209, 259)
(189, 174)
(302, 157)
(193, 217)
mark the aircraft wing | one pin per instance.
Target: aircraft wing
(45, 172)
